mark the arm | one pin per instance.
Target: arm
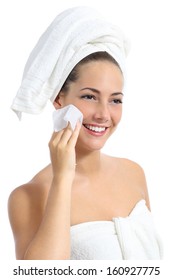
(134, 177)
(52, 239)
(141, 183)
(47, 236)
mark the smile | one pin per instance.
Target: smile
(95, 128)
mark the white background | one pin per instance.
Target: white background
(144, 134)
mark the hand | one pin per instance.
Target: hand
(62, 150)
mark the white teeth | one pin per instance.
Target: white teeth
(95, 128)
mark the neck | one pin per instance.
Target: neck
(88, 162)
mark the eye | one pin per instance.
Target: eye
(88, 97)
(117, 101)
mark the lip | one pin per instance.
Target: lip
(95, 133)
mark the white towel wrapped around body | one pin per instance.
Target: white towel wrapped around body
(74, 34)
(130, 238)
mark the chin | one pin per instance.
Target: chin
(90, 146)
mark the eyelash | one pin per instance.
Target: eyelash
(90, 96)
(118, 101)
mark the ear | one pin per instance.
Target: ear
(57, 102)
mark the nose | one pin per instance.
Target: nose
(102, 113)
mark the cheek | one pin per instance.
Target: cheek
(116, 114)
(69, 99)
(87, 112)
(86, 109)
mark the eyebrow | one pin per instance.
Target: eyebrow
(97, 91)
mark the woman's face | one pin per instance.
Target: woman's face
(98, 95)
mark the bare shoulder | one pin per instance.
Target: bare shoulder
(132, 168)
(22, 197)
(132, 175)
(32, 192)
(26, 206)
(136, 175)
(126, 165)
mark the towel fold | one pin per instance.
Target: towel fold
(74, 34)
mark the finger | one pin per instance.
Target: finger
(74, 137)
(66, 135)
(55, 138)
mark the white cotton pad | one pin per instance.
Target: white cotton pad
(69, 113)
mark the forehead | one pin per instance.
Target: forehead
(102, 72)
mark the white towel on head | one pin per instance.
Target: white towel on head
(74, 34)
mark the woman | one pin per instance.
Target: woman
(84, 205)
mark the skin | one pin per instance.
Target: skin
(80, 184)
